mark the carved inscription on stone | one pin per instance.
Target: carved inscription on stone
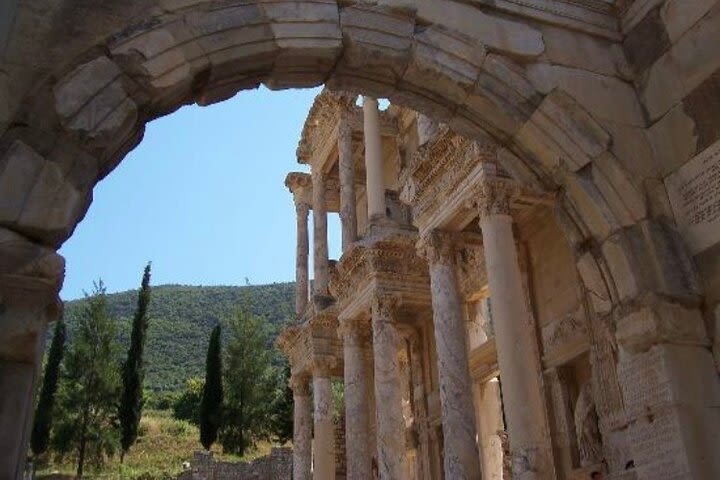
(694, 192)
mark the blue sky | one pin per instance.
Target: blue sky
(202, 197)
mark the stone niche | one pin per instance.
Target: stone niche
(574, 420)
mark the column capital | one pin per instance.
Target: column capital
(302, 207)
(322, 365)
(300, 385)
(385, 305)
(494, 196)
(437, 247)
(357, 331)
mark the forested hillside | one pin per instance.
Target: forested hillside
(181, 318)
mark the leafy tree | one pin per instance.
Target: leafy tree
(181, 318)
(42, 425)
(90, 387)
(212, 398)
(281, 409)
(133, 371)
(187, 405)
(249, 381)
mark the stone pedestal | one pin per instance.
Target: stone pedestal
(458, 419)
(320, 245)
(375, 183)
(390, 425)
(514, 337)
(301, 259)
(671, 393)
(348, 214)
(302, 429)
(324, 444)
(357, 419)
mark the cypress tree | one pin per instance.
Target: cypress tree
(133, 371)
(212, 398)
(42, 425)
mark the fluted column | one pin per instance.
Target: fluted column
(302, 428)
(390, 425)
(375, 184)
(324, 446)
(348, 214)
(301, 258)
(514, 336)
(355, 335)
(461, 457)
(320, 246)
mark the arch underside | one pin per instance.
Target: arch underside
(76, 122)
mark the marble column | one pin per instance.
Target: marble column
(320, 245)
(324, 445)
(375, 183)
(390, 425)
(301, 258)
(461, 457)
(348, 214)
(302, 428)
(355, 335)
(27, 304)
(514, 336)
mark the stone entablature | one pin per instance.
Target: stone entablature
(441, 179)
(389, 265)
(321, 130)
(315, 338)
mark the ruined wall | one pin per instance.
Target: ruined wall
(276, 466)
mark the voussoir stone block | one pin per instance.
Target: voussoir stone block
(662, 322)
(309, 37)
(651, 257)
(21, 256)
(162, 57)
(239, 44)
(377, 47)
(37, 199)
(92, 101)
(674, 140)
(502, 100)
(605, 96)
(594, 282)
(560, 120)
(501, 34)
(680, 15)
(447, 61)
(624, 198)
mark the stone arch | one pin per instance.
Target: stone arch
(78, 120)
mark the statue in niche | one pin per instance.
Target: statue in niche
(586, 427)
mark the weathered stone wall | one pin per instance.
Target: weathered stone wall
(673, 49)
(275, 466)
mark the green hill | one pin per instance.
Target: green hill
(181, 318)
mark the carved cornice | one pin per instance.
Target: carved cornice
(287, 339)
(321, 121)
(438, 169)
(394, 257)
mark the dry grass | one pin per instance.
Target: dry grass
(163, 444)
